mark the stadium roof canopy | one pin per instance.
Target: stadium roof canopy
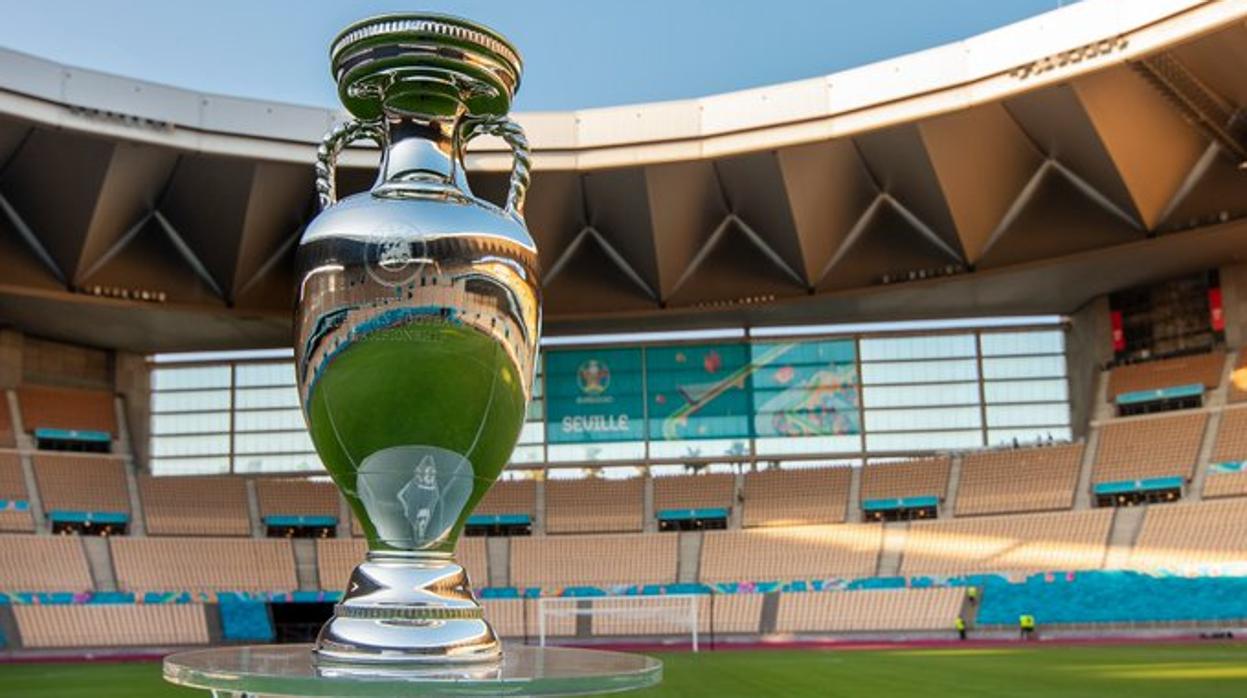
(1024, 170)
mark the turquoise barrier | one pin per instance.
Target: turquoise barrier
(692, 514)
(900, 503)
(245, 620)
(1114, 597)
(1227, 467)
(96, 517)
(82, 435)
(14, 505)
(499, 520)
(292, 521)
(1171, 393)
(1151, 484)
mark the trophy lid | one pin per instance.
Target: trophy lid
(423, 63)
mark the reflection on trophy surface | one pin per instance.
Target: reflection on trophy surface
(416, 328)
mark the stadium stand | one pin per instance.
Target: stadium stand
(1190, 536)
(337, 557)
(195, 506)
(708, 491)
(509, 618)
(1146, 447)
(7, 438)
(43, 563)
(557, 561)
(1227, 476)
(45, 407)
(81, 483)
(1202, 369)
(737, 613)
(203, 564)
(510, 497)
(295, 497)
(796, 497)
(639, 616)
(594, 505)
(1023, 543)
(111, 625)
(869, 610)
(800, 552)
(15, 512)
(1019, 480)
(912, 478)
(1238, 384)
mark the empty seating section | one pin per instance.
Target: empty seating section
(1204, 369)
(296, 497)
(45, 407)
(594, 505)
(337, 557)
(81, 483)
(111, 625)
(13, 491)
(1147, 447)
(737, 613)
(874, 610)
(558, 561)
(1189, 536)
(1225, 485)
(1028, 479)
(510, 497)
(911, 478)
(7, 438)
(43, 563)
(710, 491)
(203, 564)
(195, 506)
(507, 617)
(1231, 444)
(1025, 543)
(782, 554)
(796, 497)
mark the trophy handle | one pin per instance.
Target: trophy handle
(327, 155)
(509, 131)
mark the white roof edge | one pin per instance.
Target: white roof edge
(1042, 50)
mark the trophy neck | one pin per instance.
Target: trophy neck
(423, 157)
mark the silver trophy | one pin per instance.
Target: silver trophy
(419, 312)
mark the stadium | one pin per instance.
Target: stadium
(926, 376)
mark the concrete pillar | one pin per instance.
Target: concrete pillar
(132, 381)
(10, 358)
(1234, 303)
(1088, 345)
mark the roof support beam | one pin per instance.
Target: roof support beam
(31, 240)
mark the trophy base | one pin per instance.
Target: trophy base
(414, 608)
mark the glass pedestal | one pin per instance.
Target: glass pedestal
(289, 671)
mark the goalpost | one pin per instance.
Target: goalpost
(674, 614)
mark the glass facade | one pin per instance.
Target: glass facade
(833, 399)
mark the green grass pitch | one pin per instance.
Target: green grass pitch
(1092, 671)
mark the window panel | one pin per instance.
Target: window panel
(269, 420)
(920, 395)
(528, 454)
(206, 445)
(264, 374)
(924, 441)
(196, 423)
(924, 418)
(1024, 367)
(921, 347)
(1053, 390)
(1028, 437)
(947, 371)
(1028, 415)
(260, 398)
(198, 400)
(614, 450)
(190, 377)
(533, 433)
(190, 466)
(843, 443)
(275, 442)
(1033, 342)
(280, 463)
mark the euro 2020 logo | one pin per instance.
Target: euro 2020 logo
(396, 254)
(594, 377)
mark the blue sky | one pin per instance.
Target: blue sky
(578, 53)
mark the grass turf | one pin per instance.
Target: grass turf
(1136, 671)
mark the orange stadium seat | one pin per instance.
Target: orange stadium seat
(296, 497)
(1019, 480)
(12, 491)
(195, 506)
(594, 505)
(45, 407)
(1204, 369)
(557, 561)
(869, 610)
(81, 483)
(708, 491)
(111, 625)
(1187, 536)
(510, 497)
(1023, 543)
(43, 563)
(790, 553)
(203, 564)
(796, 497)
(1146, 447)
(911, 478)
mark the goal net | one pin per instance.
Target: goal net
(624, 616)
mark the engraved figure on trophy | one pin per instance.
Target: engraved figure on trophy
(417, 323)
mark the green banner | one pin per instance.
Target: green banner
(594, 395)
(698, 392)
(805, 389)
